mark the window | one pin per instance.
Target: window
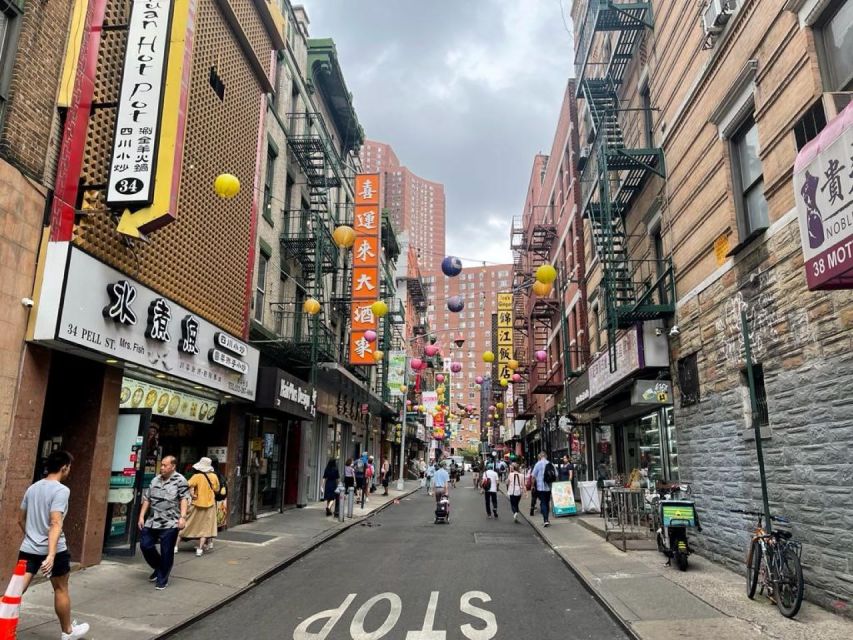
(811, 124)
(750, 204)
(834, 39)
(10, 24)
(688, 380)
(762, 415)
(269, 178)
(288, 192)
(595, 337)
(648, 125)
(260, 290)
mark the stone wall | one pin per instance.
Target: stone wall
(804, 341)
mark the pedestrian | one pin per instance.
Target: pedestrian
(360, 468)
(201, 523)
(544, 474)
(530, 485)
(454, 473)
(386, 472)
(514, 489)
(441, 482)
(428, 474)
(44, 548)
(502, 470)
(349, 476)
(421, 470)
(163, 514)
(475, 471)
(490, 491)
(567, 470)
(369, 471)
(330, 486)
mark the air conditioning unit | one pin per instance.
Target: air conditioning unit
(717, 14)
(583, 157)
(835, 103)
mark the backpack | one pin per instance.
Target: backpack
(359, 466)
(550, 475)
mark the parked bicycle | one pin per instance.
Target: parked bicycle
(773, 561)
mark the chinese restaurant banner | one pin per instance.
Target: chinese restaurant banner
(367, 224)
(505, 321)
(396, 372)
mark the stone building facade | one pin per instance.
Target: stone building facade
(729, 101)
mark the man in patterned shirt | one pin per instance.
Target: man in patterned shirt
(165, 504)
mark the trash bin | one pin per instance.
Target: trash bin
(590, 501)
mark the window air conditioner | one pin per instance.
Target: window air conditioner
(717, 14)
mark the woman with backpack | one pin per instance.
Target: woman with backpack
(515, 489)
(201, 523)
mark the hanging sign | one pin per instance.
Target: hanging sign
(367, 225)
(505, 322)
(396, 372)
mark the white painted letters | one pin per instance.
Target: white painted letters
(426, 632)
(333, 615)
(356, 629)
(488, 617)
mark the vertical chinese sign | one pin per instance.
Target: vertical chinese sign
(504, 336)
(367, 224)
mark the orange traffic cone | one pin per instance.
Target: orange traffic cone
(10, 604)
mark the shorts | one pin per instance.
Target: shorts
(61, 563)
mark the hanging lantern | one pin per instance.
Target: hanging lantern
(489, 423)
(455, 304)
(456, 367)
(541, 356)
(440, 389)
(416, 364)
(451, 266)
(497, 416)
(500, 406)
(344, 236)
(512, 364)
(370, 335)
(546, 273)
(469, 408)
(378, 355)
(379, 309)
(488, 356)
(479, 379)
(421, 408)
(431, 350)
(439, 377)
(541, 289)
(403, 388)
(504, 382)
(491, 407)
(408, 403)
(226, 185)
(516, 377)
(311, 306)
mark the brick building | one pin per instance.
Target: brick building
(691, 117)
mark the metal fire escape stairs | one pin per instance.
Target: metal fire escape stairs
(615, 174)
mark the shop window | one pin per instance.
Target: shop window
(748, 179)
(762, 415)
(688, 379)
(811, 124)
(834, 39)
(10, 25)
(260, 290)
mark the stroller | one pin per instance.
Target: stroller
(442, 510)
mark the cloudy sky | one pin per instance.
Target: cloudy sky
(466, 91)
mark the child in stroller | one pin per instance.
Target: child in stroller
(442, 508)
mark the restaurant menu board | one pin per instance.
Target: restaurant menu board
(136, 394)
(563, 499)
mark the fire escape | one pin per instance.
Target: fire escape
(632, 290)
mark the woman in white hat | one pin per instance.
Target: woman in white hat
(201, 523)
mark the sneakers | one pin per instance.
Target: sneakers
(496, 515)
(547, 524)
(488, 516)
(152, 577)
(199, 552)
(208, 547)
(515, 517)
(531, 513)
(77, 631)
(160, 587)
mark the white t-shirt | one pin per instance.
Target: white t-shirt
(515, 484)
(492, 475)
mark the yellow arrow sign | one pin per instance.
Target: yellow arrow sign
(173, 124)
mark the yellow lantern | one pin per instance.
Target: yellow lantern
(489, 423)
(488, 356)
(344, 236)
(378, 355)
(512, 364)
(379, 308)
(504, 382)
(542, 289)
(421, 408)
(403, 388)
(311, 307)
(546, 273)
(500, 405)
(497, 416)
(440, 390)
(226, 185)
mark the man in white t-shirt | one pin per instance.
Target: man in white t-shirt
(41, 516)
(491, 492)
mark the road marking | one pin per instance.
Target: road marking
(333, 615)
(427, 632)
(465, 606)
(356, 629)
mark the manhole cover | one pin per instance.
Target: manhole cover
(245, 536)
(502, 538)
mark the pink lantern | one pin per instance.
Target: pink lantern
(491, 407)
(408, 403)
(431, 350)
(541, 356)
(370, 335)
(416, 364)
(479, 379)
(439, 378)
(469, 408)
(516, 377)
(456, 367)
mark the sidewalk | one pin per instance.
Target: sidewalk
(707, 602)
(119, 603)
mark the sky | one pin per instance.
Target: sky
(467, 92)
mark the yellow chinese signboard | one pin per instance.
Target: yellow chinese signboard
(365, 267)
(505, 321)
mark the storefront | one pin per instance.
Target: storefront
(623, 419)
(133, 377)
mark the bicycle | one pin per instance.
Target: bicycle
(773, 560)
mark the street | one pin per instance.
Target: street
(405, 577)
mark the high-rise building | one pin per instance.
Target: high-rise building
(416, 205)
(478, 287)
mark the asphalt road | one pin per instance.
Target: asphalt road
(405, 578)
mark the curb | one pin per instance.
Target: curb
(585, 581)
(269, 573)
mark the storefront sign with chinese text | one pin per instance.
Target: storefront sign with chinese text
(367, 224)
(823, 190)
(505, 322)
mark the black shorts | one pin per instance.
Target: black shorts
(61, 563)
